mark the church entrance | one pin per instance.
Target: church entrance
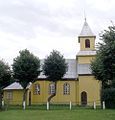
(84, 98)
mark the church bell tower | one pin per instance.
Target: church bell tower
(86, 38)
(89, 88)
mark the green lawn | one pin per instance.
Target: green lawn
(79, 114)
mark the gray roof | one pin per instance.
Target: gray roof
(71, 73)
(13, 86)
(84, 69)
(83, 53)
(86, 31)
(72, 68)
(16, 86)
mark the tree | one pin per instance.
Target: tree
(5, 77)
(54, 69)
(108, 95)
(26, 68)
(103, 66)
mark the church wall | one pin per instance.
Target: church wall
(82, 43)
(59, 98)
(15, 98)
(77, 92)
(85, 59)
(91, 87)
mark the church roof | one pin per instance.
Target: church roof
(13, 86)
(74, 70)
(83, 53)
(70, 74)
(86, 31)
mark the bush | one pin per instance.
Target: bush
(108, 95)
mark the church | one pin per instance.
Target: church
(78, 85)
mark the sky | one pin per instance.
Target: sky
(45, 25)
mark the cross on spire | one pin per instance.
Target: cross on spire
(85, 16)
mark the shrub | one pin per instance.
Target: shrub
(108, 95)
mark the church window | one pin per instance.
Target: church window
(51, 88)
(37, 89)
(66, 89)
(9, 95)
(87, 43)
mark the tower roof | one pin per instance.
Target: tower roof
(86, 31)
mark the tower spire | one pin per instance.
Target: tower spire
(86, 31)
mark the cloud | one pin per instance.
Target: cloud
(22, 17)
(43, 25)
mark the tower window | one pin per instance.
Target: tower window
(87, 43)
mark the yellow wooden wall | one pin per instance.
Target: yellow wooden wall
(85, 83)
(59, 98)
(91, 87)
(17, 97)
(88, 83)
(82, 43)
(85, 59)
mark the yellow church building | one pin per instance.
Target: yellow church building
(78, 85)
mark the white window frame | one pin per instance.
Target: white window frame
(66, 89)
(9, 95)
(37, 89)
(51, 88)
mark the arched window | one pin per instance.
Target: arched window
(87, 43)
(66, 89)
(37, 89)
(51, 88)
(84, 98)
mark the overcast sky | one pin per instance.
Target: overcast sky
(44, 25)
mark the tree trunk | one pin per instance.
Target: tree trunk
(0, 100)
(101, 92)
(54, 94)
(113, 82)
(24, 98)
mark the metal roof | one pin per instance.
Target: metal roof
(71, 73)
(83, 53)
(84, 69)
(86, 31)
(74, 70)
(16, 86)
(13, 86)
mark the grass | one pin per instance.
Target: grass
(78, 114)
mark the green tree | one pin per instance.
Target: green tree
(103, 66)
(26, 69)
(5, 77)
(54, 69)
